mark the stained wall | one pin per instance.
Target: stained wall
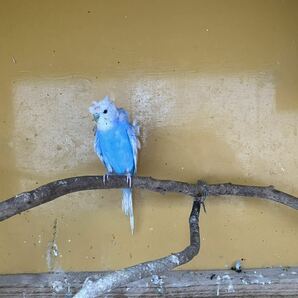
(214, 86)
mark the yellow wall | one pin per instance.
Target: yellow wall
(214, 85)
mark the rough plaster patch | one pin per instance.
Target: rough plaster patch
(53, 129)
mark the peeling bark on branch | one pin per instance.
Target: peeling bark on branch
(53, 190)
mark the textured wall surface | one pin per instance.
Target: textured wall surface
(214, 85)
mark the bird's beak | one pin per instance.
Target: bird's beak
(95, 117)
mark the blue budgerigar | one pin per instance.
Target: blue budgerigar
(116, 144)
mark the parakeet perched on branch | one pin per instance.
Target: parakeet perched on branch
(116, 143)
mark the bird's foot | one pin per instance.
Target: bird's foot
(128, 179)
(105, 178)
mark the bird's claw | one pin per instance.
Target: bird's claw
(128, 180)
(105, 178)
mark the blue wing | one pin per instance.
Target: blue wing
(133, 132)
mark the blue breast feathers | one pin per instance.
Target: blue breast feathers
(114, 148)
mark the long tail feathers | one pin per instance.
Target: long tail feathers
(127, 206)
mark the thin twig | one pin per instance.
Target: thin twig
(53, 190)
(98, 284)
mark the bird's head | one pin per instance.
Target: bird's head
(104, 112)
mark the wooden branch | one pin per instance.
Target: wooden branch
(98, 285)
(178, 283)
(53, 190)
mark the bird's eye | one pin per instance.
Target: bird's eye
(105, 111)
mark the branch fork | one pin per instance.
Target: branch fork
(98, 284)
